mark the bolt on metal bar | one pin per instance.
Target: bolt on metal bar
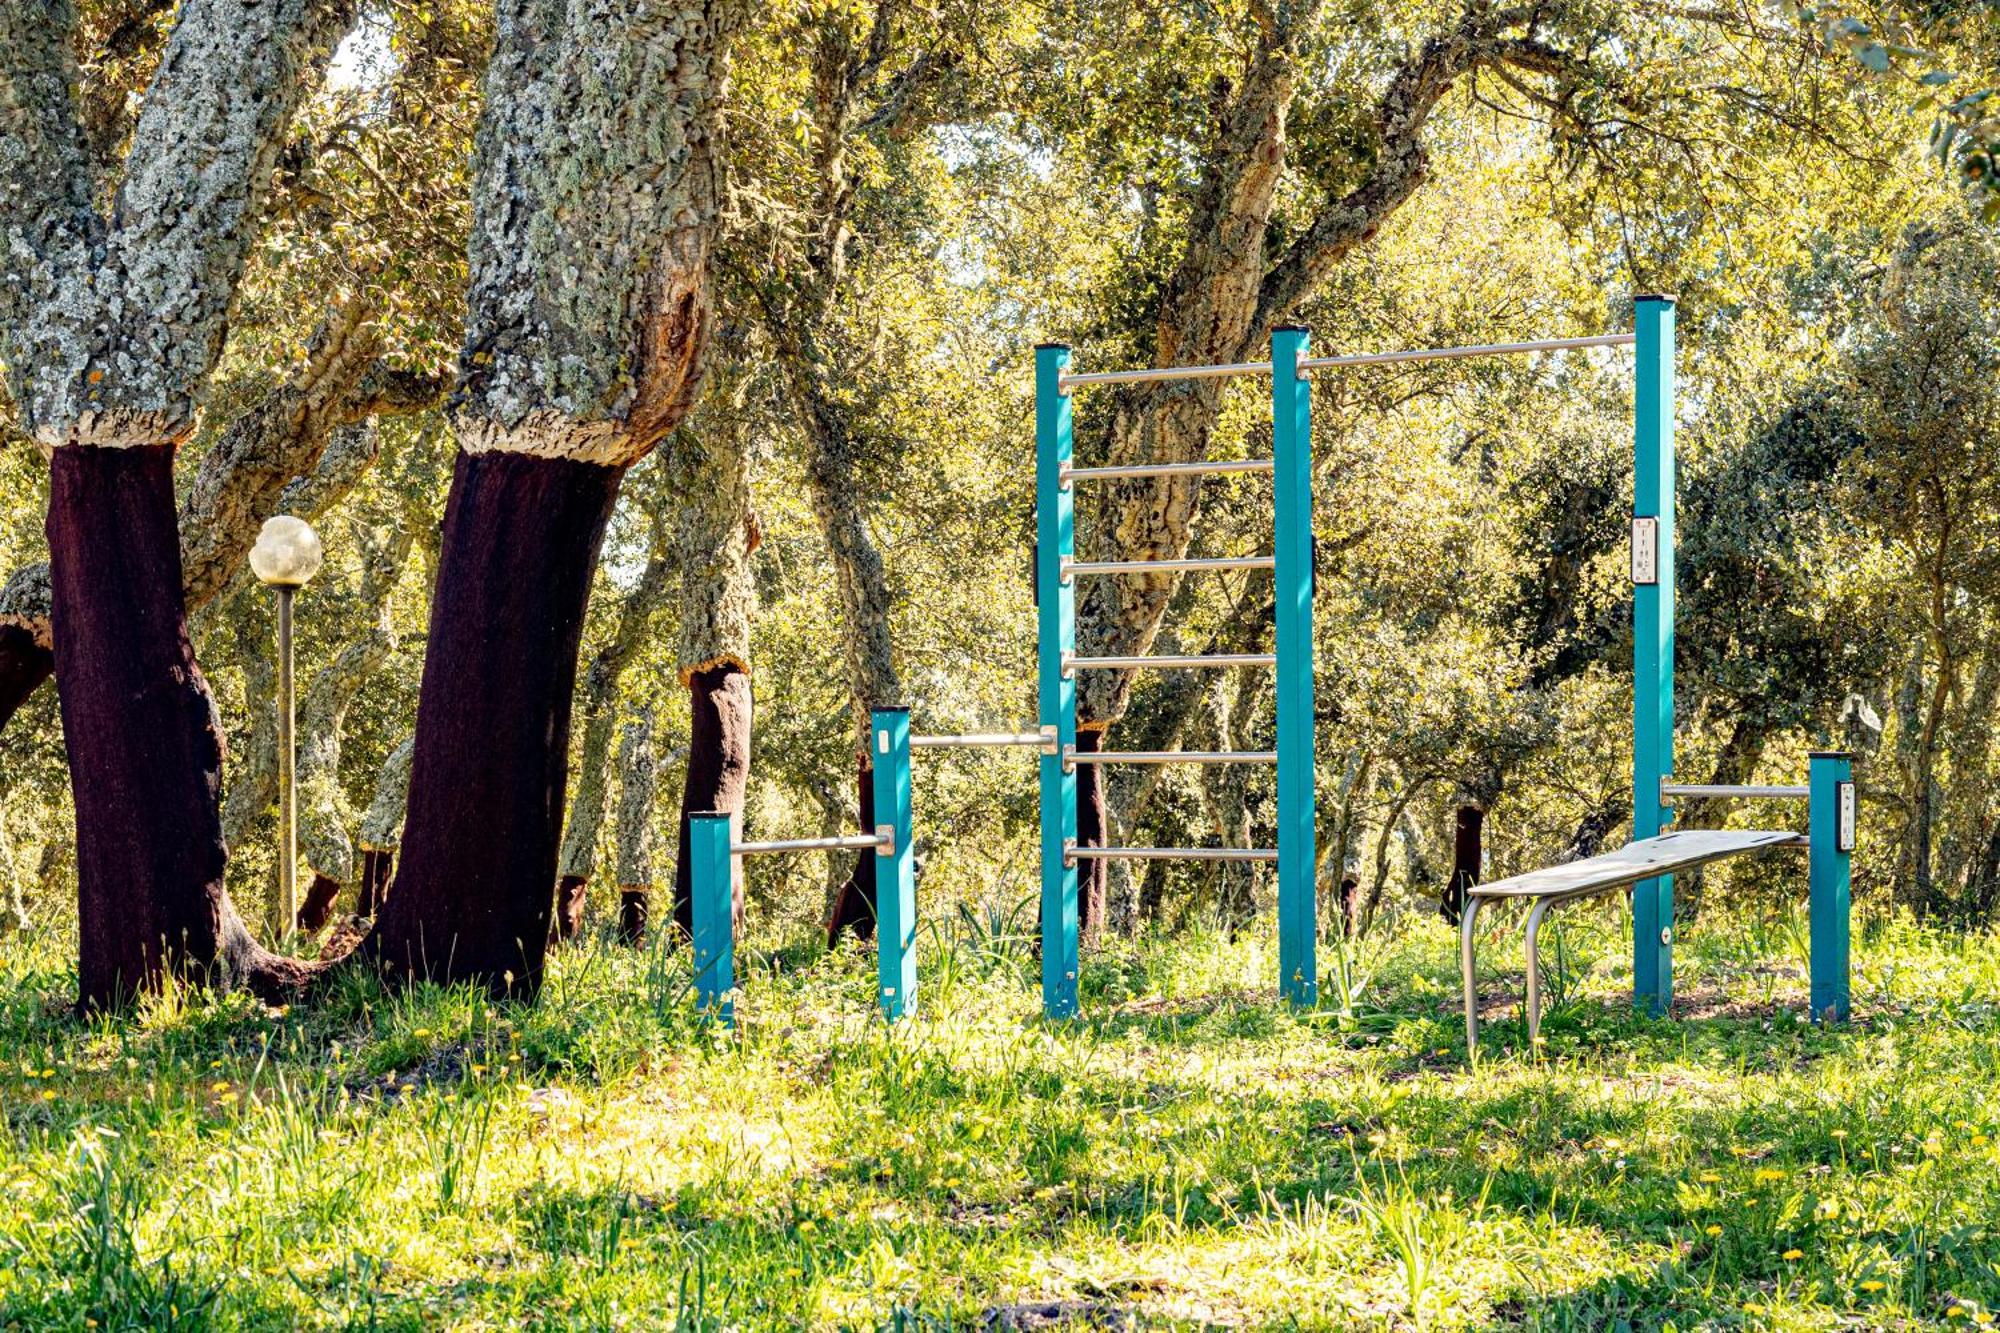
(1170, 853)
(1172, 756)
(1164, 469)
(1735, 790)
(1158, 373)
(1458, 353)
(857, 842)
(1192, 566)
(977, 738)
(1071, 663)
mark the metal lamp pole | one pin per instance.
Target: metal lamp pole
(287, 554)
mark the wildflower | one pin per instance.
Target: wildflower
(218, 1087)
(1751, 1307)
(1871, 1286)
(1709, 1177)
(1956, 1312)
(1983, 1317)
(1793, 1256)
(48, 1094)
(1766, 1175)
(1980, 1140)
(1711, 1230)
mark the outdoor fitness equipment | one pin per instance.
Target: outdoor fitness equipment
(1649, 862)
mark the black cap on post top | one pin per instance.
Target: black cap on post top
(1051, 347)
(1668, 297)
(1290, 328)
(890, 708)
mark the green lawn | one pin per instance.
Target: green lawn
(1186, 1155)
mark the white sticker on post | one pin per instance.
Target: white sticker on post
(882, 742)
(1843, 824)
(1645, 550)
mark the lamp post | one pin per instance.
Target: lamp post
(286, 556)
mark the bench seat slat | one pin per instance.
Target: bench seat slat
(1668, 854)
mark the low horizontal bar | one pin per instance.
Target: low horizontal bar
(1151, 376)
(977, 738)
(1194, 566)
(1458, 353)
(856, 842)
(1166, 469)
(1199, 661)
(1727, 790)
(1172, 853)
(1173, 757)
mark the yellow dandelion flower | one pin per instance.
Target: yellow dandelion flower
(1980, 1140)
(218, 1087)
(1766, 1175)
(1983, 1317)
(1711, 1230)
(1956, 1312)
(1871, 1286)
(1793, 1256)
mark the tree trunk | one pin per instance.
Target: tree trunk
(638, 780)
(382, 829)
(1467, 860)
(1091, 876)
(27, 648)
(145, 750)
(854, 902)
(721, 708)
(521, 536)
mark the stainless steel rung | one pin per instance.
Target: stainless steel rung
(1198, 565)
(973, 739)
(1736, 791)
(1171, 853)
(853, 843)
(1173, 756)
(1159, 373)
(1205, 660)
(1166, 469)
(1458, 353)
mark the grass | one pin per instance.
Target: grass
(1187, 1155)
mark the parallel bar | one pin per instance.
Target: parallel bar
(1478, 349)
(857, 842)
(1055, 542)
(710, 870)
(972, 739)
(1653, 648)
(1199, 565)
(1174, 853)
(1736, 790)
(1074, 663)
(1070, 474)
(895, 866)
(1292, 587)
(1158, 373)
(1831, 821)
(1175, 757)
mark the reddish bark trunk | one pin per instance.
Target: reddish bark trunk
(720, 712)
(145, 754)
(1091, 876)
(24, 665)
(1466, 835)
(376, 865)
(854, 905)
(635, 908)
(572, 892)
(472, 896)
(317, 909)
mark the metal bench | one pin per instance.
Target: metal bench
(1649, 858)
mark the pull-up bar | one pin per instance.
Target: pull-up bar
(1159, 374)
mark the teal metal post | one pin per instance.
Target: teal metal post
(709, 873)
(1055, 540)
(1291, 441)
(1653, 643)
(1832, 823)
(895, 868)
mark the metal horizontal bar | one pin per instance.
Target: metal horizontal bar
(1165, 469)
(1171, 853)
(976, 738)
(1194, 566)
(1173, 756)
(1139, 663)
(1726, 790)
(1459, 353)
(855, 842)
(1154, 374)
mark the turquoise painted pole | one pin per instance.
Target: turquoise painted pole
(1055, 540)
(895, 868)
(1653, 643)
(1834, 812)
(709, 874)
(1291, 441)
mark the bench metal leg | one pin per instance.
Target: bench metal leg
(1535, 916)
(1466, 948)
